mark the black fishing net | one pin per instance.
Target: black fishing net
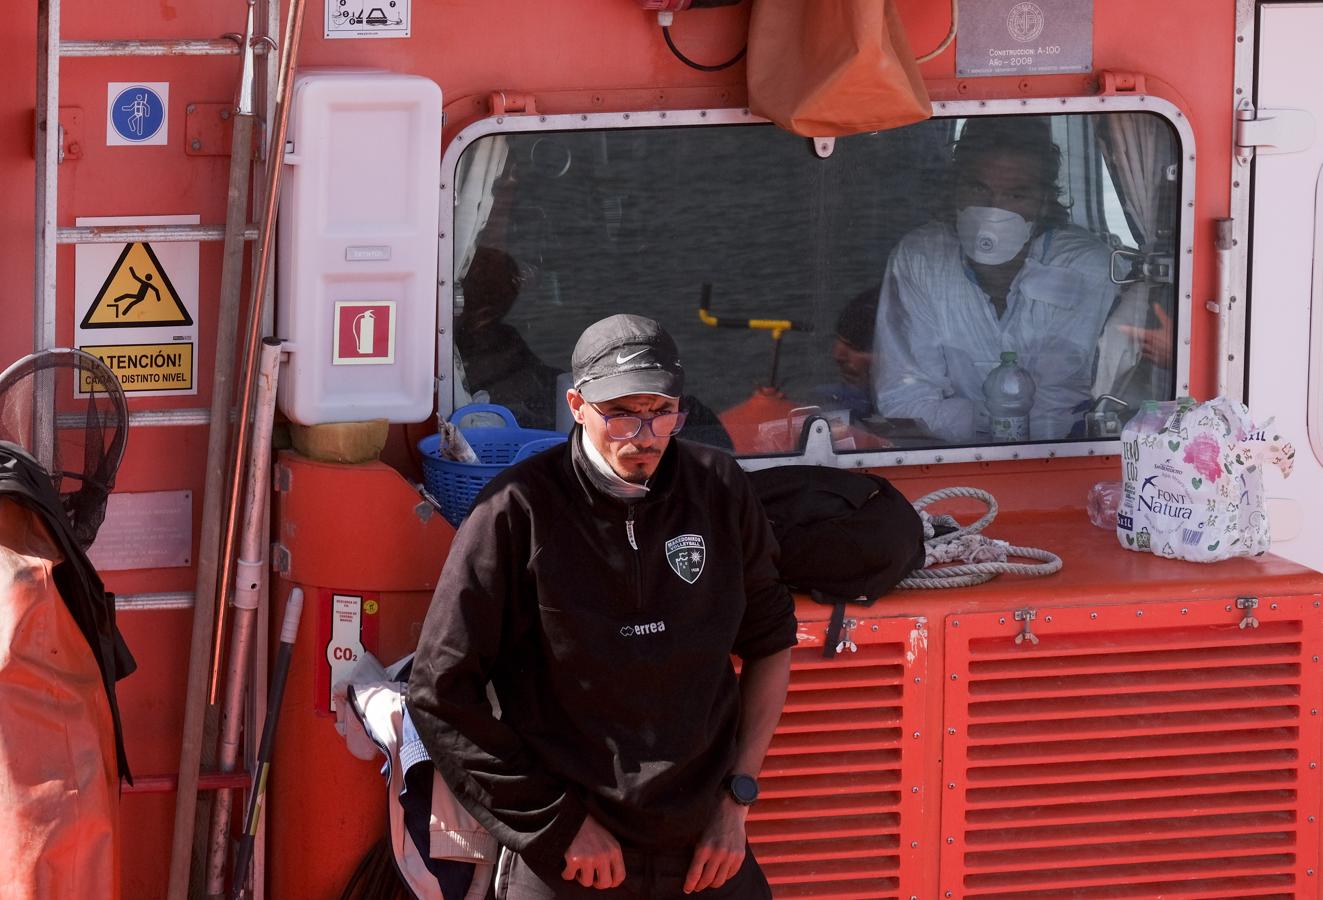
(67, 409)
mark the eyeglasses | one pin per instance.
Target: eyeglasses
(625, 426)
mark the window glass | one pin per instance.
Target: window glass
(879, 287)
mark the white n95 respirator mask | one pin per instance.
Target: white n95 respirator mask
(990, 235)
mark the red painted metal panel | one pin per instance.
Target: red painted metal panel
(1155, 750)
(842, 787)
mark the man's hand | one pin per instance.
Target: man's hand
(594, 858)
(1154, 343)
(720, 852)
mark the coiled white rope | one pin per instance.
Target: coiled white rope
(980, 558)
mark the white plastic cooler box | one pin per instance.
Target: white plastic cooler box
(359, 210)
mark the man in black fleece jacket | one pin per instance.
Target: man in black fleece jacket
(602, 587)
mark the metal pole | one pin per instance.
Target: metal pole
(123, 234)
(214, 513)
(289, 630)
(185, 47)
(247, 594)
(199, 669)
(262, 271)
(47, 151)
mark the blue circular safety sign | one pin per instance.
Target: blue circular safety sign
(137, 113)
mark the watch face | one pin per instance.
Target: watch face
(744, 789)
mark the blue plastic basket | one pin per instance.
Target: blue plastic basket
(456, 484)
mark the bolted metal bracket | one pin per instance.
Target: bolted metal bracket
(280, 559)
(1248, 605)
(846, 643)
(1026, 616)
(71, 133)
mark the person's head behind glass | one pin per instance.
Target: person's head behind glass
(1006, 187)
(852, 350)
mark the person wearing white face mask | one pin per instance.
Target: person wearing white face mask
(1003, 272)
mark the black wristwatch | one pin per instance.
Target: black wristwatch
(743, 789)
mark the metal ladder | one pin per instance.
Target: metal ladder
(48, 235)
(50, 155)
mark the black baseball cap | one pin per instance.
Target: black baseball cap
(622, 355)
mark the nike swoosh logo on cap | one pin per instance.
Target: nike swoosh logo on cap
(621, 359)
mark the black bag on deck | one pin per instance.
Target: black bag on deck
(846, 537)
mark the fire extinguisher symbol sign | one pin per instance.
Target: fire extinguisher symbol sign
(364, 333)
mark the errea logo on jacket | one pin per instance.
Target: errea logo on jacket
(641, 630)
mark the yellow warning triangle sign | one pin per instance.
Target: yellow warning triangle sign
(137, 294)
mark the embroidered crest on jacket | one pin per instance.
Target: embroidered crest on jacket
(687, 553)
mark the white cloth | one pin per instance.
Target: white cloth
(938, 336)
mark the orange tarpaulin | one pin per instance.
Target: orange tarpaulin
(829, 68)
(59, 789)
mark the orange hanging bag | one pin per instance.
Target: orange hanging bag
(829, 68)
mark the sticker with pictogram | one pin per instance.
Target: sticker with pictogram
(364, 333)
(137, 113)
(137, 293)
(136, 307)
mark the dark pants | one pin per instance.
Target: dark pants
(648, 876)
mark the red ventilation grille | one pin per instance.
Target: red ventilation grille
(1133, 752)
(843, 772)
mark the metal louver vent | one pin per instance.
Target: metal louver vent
(841, 777)
(1133, 752)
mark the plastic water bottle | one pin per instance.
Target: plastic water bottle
(1104, 504)
(1149, 420)
(1009, 391)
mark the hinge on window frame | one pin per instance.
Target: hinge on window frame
(504, 102)
(1272, 131)
(1110, 83)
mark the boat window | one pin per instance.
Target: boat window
(878, 285)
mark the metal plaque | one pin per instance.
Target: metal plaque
(150, 530)
(1024, 37)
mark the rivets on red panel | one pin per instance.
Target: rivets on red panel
(950, 840)
(1001, 621)
(950, 786)
(1047, 618)
(1272, 605)
(1139, 612)
(875, 628)
(1184, 611)
(914, 845)
(1311, 819)
(955, 677)
(918, 680)
(1228, 607)
(1093, 615)
(914, 790)
(955, 624)
(950, 731)
(1313, 712)
(1313, 765)
(916, 735)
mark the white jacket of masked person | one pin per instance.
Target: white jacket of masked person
(938, 335)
